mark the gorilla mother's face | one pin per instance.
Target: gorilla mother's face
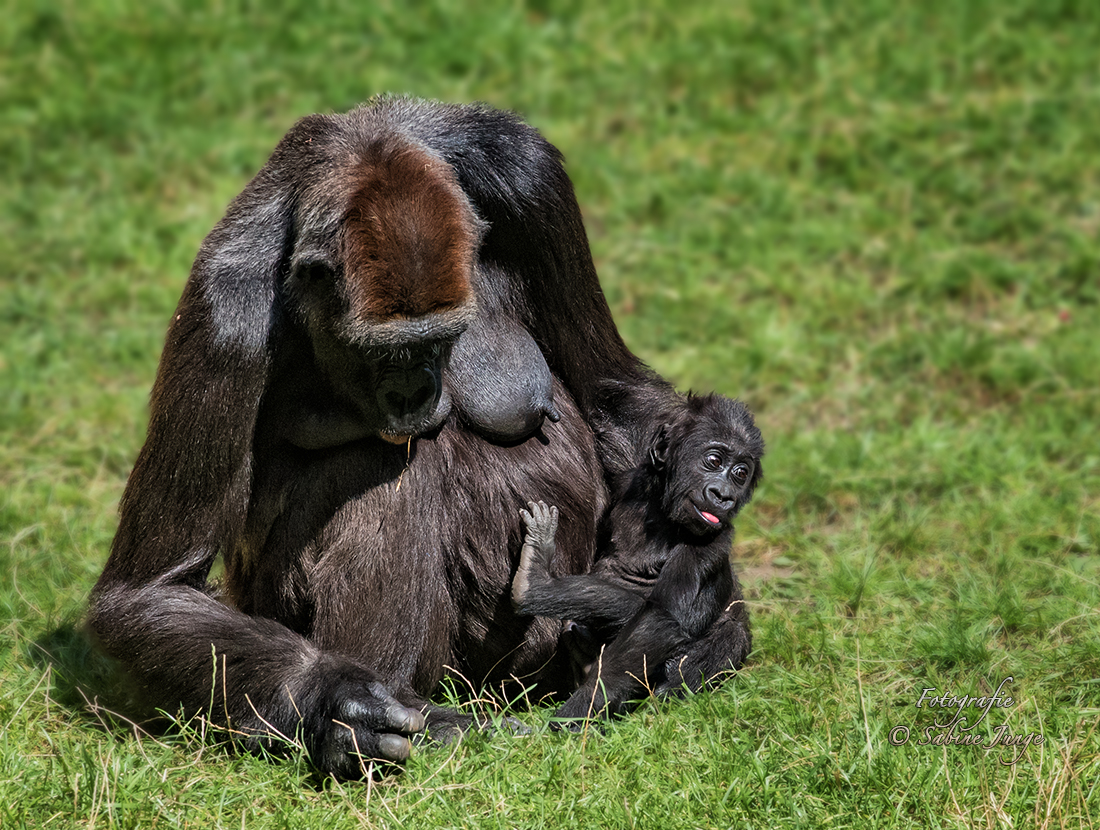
(385, 294)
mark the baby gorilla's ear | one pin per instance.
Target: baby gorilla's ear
(658, 449)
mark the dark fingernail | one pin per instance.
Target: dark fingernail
(414, 721)
(394, 748)
(403, 719)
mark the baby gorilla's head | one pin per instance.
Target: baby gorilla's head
(707, 454)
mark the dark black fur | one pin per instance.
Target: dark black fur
(663, 579)
(309, 425)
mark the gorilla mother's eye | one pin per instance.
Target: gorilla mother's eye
(740, 473)
(314, 271)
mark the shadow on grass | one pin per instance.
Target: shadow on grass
(95, 694)
(87, 684)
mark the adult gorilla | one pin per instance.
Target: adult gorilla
(350, 410)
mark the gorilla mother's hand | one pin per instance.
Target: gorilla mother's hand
(352, 720)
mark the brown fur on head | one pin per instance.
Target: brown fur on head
(410, 236)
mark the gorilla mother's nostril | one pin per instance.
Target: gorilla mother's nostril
(395, 403)
(422, 396)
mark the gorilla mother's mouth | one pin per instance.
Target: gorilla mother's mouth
(398, 430)
(400, 440)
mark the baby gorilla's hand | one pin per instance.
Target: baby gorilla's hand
(538, 550)
(542, 525)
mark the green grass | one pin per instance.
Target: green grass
(876, 222)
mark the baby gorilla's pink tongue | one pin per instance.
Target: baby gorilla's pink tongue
(710, 517)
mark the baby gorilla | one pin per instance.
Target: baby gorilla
(663, 575)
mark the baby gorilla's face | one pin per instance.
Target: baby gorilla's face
(722, 475)
(709, 486)
(713, 464)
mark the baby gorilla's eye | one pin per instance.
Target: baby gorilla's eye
(712, 461)
(740, 473)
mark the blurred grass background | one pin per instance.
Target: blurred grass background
(876, 222)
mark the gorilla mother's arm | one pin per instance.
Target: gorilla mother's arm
(188, 497)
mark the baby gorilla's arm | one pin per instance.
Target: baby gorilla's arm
(534, 558)
(586, 599)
